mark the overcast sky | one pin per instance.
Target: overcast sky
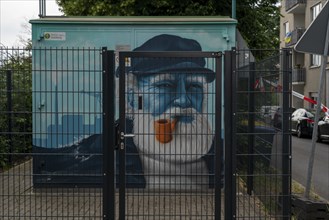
(14, 14)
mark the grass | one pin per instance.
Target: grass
(299, 189)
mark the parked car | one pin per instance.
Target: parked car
(323, 129)
(302, 122)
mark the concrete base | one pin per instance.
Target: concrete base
(306, 209)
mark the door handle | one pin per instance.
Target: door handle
(123, 135)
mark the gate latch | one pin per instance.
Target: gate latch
(117, 136)
(123, 135)
(120, 136)
(120, 144)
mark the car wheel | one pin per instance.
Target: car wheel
(299, 131)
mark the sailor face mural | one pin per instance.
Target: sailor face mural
(170, 120)
(172, 115)
(170, 109)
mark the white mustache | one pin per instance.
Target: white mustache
(176, 112)
(193, 140)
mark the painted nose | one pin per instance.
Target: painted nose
(182, 99)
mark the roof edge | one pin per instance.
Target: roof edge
(134, 19)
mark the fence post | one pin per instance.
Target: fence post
(218, 137)
(122, 128)
(9, 110)
(286, 150)
(108, 134)
(42, 8)
(251, 126)
(230, 133)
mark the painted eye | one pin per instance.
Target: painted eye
(165, 85)
(196, 86)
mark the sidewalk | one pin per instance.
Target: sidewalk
(20, 201)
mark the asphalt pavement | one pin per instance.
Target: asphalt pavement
(301, 150)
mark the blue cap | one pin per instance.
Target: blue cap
(164, 42)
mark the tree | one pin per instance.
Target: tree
(16, 100)
(258, 20)
(15, 105)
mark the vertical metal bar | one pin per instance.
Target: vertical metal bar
(251, 126)
(108, 134)
(228, 133)
(286, 151)
(40, 13)
(230, 199)
(10, 109)
(324, 60)
(234, 9)
(122, 121)
(234, 136)
(56, 111)
(218, 137)
(112, 133)
(44, 8)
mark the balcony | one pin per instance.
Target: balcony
(292, 37)
(298, 75)
(295, 6)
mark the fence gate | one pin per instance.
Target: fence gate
(170, 147)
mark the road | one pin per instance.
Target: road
(301, 150)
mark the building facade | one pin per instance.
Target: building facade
(297, 15)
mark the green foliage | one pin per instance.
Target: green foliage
(258, 20)
(259, 24)
(14, 145)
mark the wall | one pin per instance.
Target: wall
(66, 121)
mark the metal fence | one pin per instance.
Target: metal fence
(63, 156)
(50, 103)
(262, 134)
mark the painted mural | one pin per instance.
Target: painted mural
(170, 107)
(168, 111)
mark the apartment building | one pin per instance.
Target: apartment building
(297, 15)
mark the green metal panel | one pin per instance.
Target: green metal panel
(218, 33)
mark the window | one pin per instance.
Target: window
(287, 34)
(315, 60)
(314, 96)
(315, 10)
(286, 28)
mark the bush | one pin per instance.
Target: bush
(15, 105)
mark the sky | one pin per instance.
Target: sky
(15, 14)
